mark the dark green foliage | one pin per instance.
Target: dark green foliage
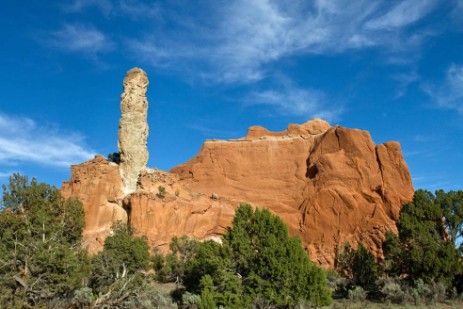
(451, 204)
(258, 260)
(171, 267)
(40, 234)
(393, 255)
(358, 266)
(42, 265)
(122, 256)
(162, 192)
(365, 270)
(272, 264)
(344, 260)
(425, 248)
(114, 157)
(207, 299)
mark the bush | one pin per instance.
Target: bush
(365, 270)
(424, 249)
(122, 258)
(83, 297)
(393, 292)
(429, 293)
(190, 300)
(40, 239)
(162, 192)
(257, 260)
(357, 294)
(114, 157)
(359, 266)
(273, 264)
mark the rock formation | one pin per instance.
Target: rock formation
(328, 184)
(98, 185)
(133, 128)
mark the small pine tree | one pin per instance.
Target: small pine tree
(207, 299)
(365, 270)
(272, 264)
(425, 249)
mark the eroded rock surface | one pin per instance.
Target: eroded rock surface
(98, 185)
(133, 128)
(328, 184)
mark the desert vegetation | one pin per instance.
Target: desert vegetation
(256, 265)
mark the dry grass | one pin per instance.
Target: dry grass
(346, 304)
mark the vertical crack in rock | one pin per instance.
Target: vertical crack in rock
(133, 128)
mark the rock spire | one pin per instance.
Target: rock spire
(133, 128)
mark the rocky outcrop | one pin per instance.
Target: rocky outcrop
(133, 128)
(98, 185)
(328, 184)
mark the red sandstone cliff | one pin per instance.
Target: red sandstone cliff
(329, 184)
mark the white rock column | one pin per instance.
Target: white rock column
(133, 128)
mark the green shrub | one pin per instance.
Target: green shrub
(190, 300)
(114, 157)
(273, 264)
(83, 297)
(357, 294)
(257, 260)
(424, 248)
(393, 292)
(162, 191)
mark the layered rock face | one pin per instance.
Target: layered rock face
(98, 185)
(328, 184)
(133, 128)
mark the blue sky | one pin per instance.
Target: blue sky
(394, 68)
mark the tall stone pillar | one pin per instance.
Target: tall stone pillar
(133, 128)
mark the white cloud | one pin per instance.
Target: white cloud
(238, 41)
(23, 140)
(291, 100)
(138, 9)
(77, 6)
(6, 174)
(81, 38)
(403, 14)
(404, 81)
(449, 95)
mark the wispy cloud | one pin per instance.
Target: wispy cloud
(404, 81)
(23, 140)
(238, 41)
(402, 14)
(6, 174)
(139, 9)
(81, 38)
(211, 131)
(449, 94)
(432, 182)
(76, 6)
(292, 100)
